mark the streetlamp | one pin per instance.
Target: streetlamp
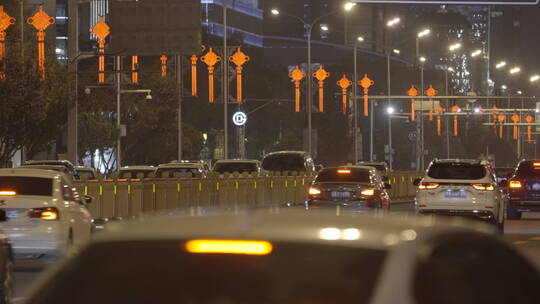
(534, 78)
(454, 47)
(475, 53)
(359, 40)
(309, 26)
(500, 65)
(515, 70)
(421, 34)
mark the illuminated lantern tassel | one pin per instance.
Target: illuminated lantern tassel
(501, 119)
(194, 59)
(439, 111)
(5, 22)
(297, 75)
(412, 92)
(239, 59)
(321, 74)
(134, 68)
(529, 119)
(515, 119)
(366, 83)
(495, 112)
(431, 92)
(211, 58)
(163, 60)
(101, 30)
(344, 83)
(41, 21)
(455, 109)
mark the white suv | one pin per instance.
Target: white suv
(45, 217)
(463, 188)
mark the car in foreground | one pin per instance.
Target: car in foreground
(62, 162)
(46, 218)
(524, 189)
(349, 187)
(250, 166)
(57, 168)
(290, 161)
(136, 171)
(185, 169)
(463, 188)
(292, 256)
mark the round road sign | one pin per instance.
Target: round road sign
(239, 118)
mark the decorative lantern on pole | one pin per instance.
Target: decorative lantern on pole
(134, 68)
(412, 92)
(41, 21)
(455, 110)
(163, 60)
(501, 119)
(344, 83)
(439, 111)
(321, 74)
(297, 75)
(431, 92)
(239, 59)
(515, 118)
(5, 22)
(495, 113)
(529, 119)
(194, 60)
(211, 58)
(366, 83)
(101, 30)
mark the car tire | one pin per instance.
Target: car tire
(513, 214)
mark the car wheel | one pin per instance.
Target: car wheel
(513, 214)
(6, 294)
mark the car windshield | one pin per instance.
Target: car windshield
(284, 162)
(107, 273)
(465, 171)
(235, 167)
(23, 185)
(343, 175)
(528, 169)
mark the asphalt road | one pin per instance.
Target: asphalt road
(523, 234)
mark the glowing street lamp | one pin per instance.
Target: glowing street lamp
(360, 39)
(324, 28)
(504, 87)
(393, 22)
(515, 70)
(275, 12)
(396, 51)
(454, 47)
(349, 6)
(424, 33)
(501, 65)
(390, 110)
(535, 78)
(422, 59)
(476, 53)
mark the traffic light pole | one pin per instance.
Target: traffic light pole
(72, 130)
(180, 84)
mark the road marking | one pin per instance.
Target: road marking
(520, 242)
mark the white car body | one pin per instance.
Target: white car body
(461, 197)
(36, 238)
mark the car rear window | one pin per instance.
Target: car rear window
(284, 163)
(134, 173)
(456, 171)
(528, 169)
(161, 172)
(343, 175)
(235, 167)
(23, 185)
(127, 272)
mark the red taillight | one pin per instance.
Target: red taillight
(428, 186)
(515, 184)
(47, 214)
(314, 191)
(484, 187)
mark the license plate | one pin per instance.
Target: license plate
(12, 213)
(341, 194)
(455, 194)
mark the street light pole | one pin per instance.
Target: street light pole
(447, 121)
(225, 62)
(388, 75)
(310, 92)
(355, 103)
(118, 94)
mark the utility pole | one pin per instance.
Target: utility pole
(73, 37)
(225, 62)
(180, 84)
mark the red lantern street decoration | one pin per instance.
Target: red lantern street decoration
(366, 83)
(495, 112)
(321, 74)
(134, 68)
(211, 58)
(5, 22)
(194, 59)
(344, 83)
(529, 119)
(431, 92)
(455, 109)
(515, 118)
(239, 59)
(163, 60)
(439, 111)
(41, 21)
(101, 30)
(297, 75)
(501, 119)
(412, 92)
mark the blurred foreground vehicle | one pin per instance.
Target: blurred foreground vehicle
(45, 217)
(350, 187)
(292, 257)
(66, 163)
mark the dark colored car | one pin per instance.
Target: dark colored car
(504, 174)
(299, 161)
(351, 187)
(524, 189)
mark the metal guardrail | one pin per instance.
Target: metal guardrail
(134, 197)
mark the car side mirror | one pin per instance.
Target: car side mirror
(387, 186)
(417, 181)
(88, 199)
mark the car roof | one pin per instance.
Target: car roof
(79, 168)
(181, 165)
(31, 172)
(48, 167)
(371, 163)
(48, 161)
(127, 168)
(369, 168)
(284, 225)
(221, 161)
(457, 160)
(302, 153)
